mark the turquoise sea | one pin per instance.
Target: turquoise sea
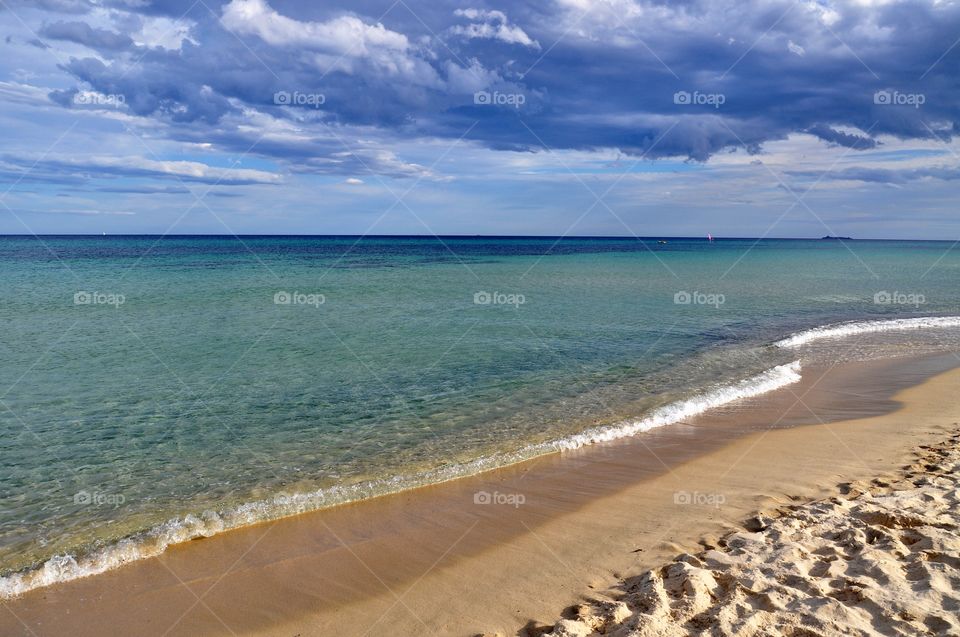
(154, 389)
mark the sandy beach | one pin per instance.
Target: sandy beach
(506, 552)
(881, 559)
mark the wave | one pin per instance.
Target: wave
(774, 378)
(867, 327)
(66, 567)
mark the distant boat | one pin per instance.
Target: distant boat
(831, 238)
(662, 242)
(709, 237)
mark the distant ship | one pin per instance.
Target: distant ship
(831, 238)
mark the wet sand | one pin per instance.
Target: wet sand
(442, 560)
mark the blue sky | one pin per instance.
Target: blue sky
(582, 117)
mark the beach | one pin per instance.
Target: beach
(550, 534)
(883, 558)
(527, 319)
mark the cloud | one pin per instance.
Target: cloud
(87, 167)
(848, 140)
(59, 6)
(83, 33)
(607, 82)
(15, 92)
(492, 25)
(83, 213)
(345, 43)
(890, 176)
(346, 35)
(145, 190)
(162, 32)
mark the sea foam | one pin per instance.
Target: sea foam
(775, 378)
(868, 327)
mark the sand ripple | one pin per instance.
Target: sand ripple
(882, 560)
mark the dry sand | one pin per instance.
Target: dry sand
(882, 560)
(431, 562)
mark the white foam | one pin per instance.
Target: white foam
(868, 327)
(66, 567)
(772, 379)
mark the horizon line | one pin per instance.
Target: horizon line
(458, 236)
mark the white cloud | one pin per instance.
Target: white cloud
(163, 32)
(116, 166)
(471, 79)
(23, 93)
(346, 35)
(492, 25)
(827, 14)
(339, 44)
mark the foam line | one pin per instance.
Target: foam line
(867, 327)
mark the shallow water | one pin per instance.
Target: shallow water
(186, 396)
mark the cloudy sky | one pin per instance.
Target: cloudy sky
(547, 117)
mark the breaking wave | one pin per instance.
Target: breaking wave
(868, 327)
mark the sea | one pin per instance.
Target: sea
(156, 389)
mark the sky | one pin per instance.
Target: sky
(528, 117)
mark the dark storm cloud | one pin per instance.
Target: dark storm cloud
(827, 134)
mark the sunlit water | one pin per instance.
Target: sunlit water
(155, 390)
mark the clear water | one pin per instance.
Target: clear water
(199, 402)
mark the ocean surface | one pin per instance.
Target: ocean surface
(158, 389)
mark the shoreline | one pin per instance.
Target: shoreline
(154, 541)
(326, 571)
(69, 564)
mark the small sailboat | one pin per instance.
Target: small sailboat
(709, 237)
